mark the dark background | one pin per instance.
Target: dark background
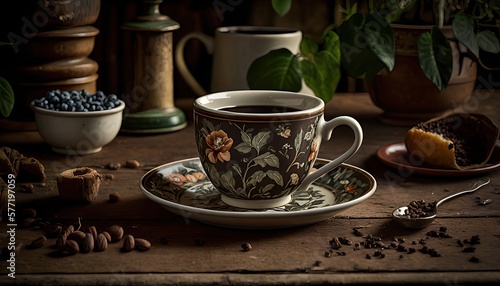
(113, 44)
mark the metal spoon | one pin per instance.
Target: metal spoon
(417, 223)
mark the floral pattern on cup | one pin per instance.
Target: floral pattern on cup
(255, 157)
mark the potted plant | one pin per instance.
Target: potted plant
(441, 49)
(6, 95)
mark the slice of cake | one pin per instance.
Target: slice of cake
(455, 141)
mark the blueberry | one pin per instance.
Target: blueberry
(77, 100)
(109, 105)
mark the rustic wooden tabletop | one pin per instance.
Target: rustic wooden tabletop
(188, 252)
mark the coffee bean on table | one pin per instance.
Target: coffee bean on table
(246, 246)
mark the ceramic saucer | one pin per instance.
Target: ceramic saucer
(182, 188)
(396, 156)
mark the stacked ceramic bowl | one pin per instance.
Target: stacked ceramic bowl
(57, 56)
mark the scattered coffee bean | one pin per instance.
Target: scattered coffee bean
(29, 213)
(28, 222)
(484, 202)
(469, 249)
(107, 236)
(101, 243)
(328, 254)
(71, 247)
(357, 232)
(401, 248)
(475, 239)
(109, 177)
(345, 241)
(377, 253)
(38, 242)
(52, 230)
(128, 243)
(411, 250)
(113, 166)
(116, 232)
(61, 241)
(474, 259)
(114, 197)
(132, 164)
(335, 243)
(382, 255)
(27, 188)
(92, 229)
(142, 244)
(368, 256)
(246, 246)
(87, 244)
(76, 236)
(341, 253)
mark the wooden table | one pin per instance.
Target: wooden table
(187, 252)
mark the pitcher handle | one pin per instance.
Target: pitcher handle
(325, 130)
(208, 42)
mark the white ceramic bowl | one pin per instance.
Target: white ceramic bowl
(78, 133)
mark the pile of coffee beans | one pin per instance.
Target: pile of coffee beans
(379, 249)
(420, 208)
(77, 101)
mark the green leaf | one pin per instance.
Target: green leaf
(227, 180)
(214, 174)
(276, 70)
(323, 75)
(308, 48)
(244, 147)
(256, 178)
(332, 44)
(6, 97)
(463, 28)
(267, 159)
(261, 139)
(488, 41)
(282, 6)
(298, 140)
(380, 39)
(245, 137)
(435, 58)
(275, 176)
(356, 57)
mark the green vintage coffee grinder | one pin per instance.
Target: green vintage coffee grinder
(150, 95)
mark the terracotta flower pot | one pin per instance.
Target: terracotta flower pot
(406, 95)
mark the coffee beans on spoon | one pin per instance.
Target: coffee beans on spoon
(420, 208)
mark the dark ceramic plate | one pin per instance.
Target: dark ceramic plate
(396, 156)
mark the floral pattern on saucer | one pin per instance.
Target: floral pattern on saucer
(185, 183)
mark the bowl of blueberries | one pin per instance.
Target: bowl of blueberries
(78, 122)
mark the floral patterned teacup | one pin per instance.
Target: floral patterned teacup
(258, 147)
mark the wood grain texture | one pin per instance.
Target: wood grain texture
(280, 256)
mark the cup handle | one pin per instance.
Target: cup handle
(208, 41)
(325, 130)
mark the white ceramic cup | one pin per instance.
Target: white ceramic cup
(234, 49)
(257, 147)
